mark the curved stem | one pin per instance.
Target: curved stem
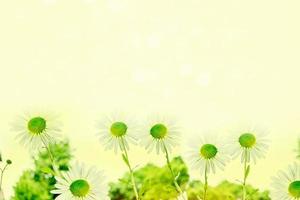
(1, 180)
(205, 182)
(1, 177)
(178, 188)
(123, 148)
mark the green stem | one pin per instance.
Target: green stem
(205, 182)
(1, 177)
(178, 188)
(123, 148)
(1, 195)
(245, 177)
(56, 171)
(1, 180)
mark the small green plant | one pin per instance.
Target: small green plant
(3, 167)
(36, 184)
(225, 191)
(154, 182)
(33, 185)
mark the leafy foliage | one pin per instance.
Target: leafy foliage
(153, 182)
(33, 186)
(156, 183)
(36, 184)
(225, 191)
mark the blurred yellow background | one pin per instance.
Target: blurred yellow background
(209, 64)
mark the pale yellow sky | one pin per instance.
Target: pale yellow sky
(207, 63)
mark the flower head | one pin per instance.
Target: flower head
(36, 130)
(207, 153)
(80, 183)
(160, 134)
(286, 186)
(117, 132)
(250, 144)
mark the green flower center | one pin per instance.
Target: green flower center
(247, 140)
(36, 125)
(208, 151)
(294, 189)
(118, 129)
(80, 188)
(158, 131)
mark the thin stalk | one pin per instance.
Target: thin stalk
(1, 195)
(1, 180)
(1, 177)
(244, 181)
(205, 182)
(178, 188)
(130, 170)
(56, 171)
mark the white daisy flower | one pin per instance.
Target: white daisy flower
(207, 154)
(37, 130)
(160, 134)
(250, 143)
(286, 186)
(80, 183)
(117, 132)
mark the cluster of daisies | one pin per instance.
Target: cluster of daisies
(119, 133)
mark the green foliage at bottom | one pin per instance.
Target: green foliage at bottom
(32, 186)
(156, 183)
(153, 182)
(225, 191)
(36, 184)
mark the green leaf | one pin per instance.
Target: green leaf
(178, 175)
(47, 170)
(125, 159)
(247, 171)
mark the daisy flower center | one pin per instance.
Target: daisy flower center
(294, 189)
(158, 131)
(247, 140)
(208, 151)
(80, 188)
(36, 125)
(118, 129)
